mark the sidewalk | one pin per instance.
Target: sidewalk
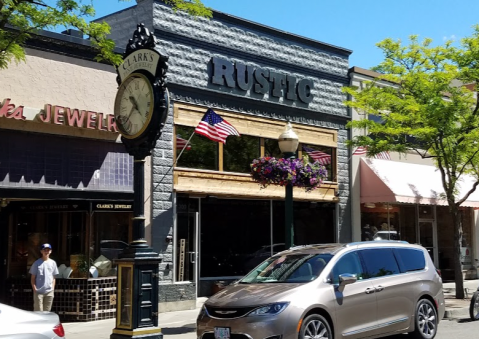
(174, 325)
(458, 308)
(182, 324)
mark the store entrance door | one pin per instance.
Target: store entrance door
(428, 239)
(187, 247)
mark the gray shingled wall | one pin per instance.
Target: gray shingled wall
(190, 44)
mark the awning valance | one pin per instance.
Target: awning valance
(393, 181)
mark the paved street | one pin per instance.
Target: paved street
(184, 328)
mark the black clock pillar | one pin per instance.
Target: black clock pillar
(139, 195)
(137, 284)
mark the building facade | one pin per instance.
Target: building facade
(400, 198)
(65, 178)
(210, 221)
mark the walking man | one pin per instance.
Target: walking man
(43, 273)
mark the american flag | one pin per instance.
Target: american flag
(363, 150)
(181, 143)
(215, 127)
(321, 157)
(383, 155)
(360, 151)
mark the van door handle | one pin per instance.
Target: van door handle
(370, 290)
(379, 288)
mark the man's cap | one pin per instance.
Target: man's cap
(46, 246)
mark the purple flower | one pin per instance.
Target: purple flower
(297, 172)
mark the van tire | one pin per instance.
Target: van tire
(315, 326)
(474, 306)
(425, 320)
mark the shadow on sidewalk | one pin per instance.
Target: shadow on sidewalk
(188, 328)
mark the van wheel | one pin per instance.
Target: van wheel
(315, 327)
(474, 306)
(425, 320)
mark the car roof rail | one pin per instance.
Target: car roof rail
(314, 245)
(356, 243)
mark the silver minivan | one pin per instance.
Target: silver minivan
(331, 291)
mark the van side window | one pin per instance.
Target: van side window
(379, 262)
(411, 259)
(348, 263)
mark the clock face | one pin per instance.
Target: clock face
(134, 105)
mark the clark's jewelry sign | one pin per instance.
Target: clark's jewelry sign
(59, 115)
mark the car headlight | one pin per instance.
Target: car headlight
(202, 312)
(271, 309)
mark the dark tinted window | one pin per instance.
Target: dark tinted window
(271, 148)
(349, 263)
(411, 259)
(202, 153)
(379, 262)
(322, 154)
(239, 152)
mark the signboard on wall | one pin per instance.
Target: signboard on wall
(72, 206)
(59, 115)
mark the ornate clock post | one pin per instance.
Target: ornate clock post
(141, 109)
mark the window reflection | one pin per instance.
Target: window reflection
(271, 148)
(239, 152)
(203, 153)
(324, 155)
(254, 228)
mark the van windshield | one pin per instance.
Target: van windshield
(288, 268)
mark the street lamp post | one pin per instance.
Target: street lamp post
(288, 144)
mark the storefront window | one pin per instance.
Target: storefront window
(63, 230)
(322, 154)
(239, 152)
(313, 222)
(67, 231)
(271, 148)
(247, 223)
(380, 222)
(255, 232)
(110, 236)
(202, 152)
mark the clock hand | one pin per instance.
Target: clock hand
(134, 102)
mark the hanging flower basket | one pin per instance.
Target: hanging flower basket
(297, 172)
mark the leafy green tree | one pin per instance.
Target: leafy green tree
(430, 106)
(19, 19)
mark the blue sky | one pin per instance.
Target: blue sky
(356, 25)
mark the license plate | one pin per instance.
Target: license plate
(222, 333)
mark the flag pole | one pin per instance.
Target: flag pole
(186, 145)
(169, 169)
(352, 154)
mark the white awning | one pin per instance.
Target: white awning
(393, 181)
